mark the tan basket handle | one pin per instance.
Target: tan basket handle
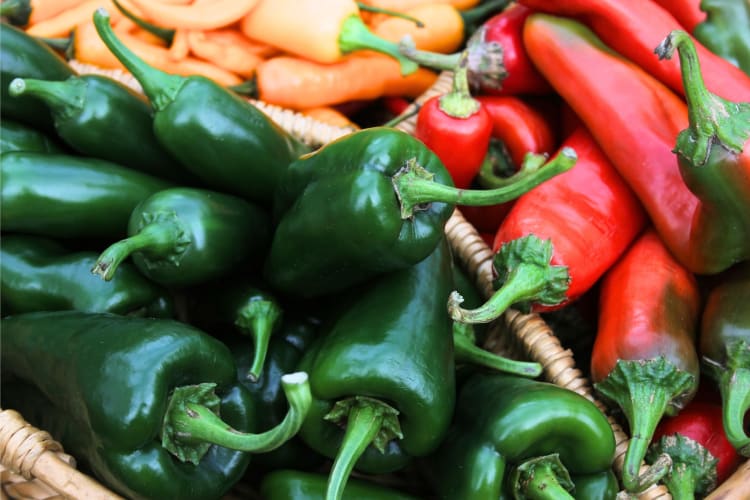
(33, 453)
(736, 487)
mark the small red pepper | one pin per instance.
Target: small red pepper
(457, 128)
(521, 129)
(644, 357)
(634, 28)
(702, 456)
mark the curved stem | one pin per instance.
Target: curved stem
(160, 87)
(355, 35)
(525, 275)
(466, 351)
(258, 319)
(189, 423)
(162, 238)
(165, 34)
(736, 396)
(415, 187)
(380, 10)
(62, 97)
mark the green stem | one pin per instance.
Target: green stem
(62, 97)
(59, 44)
(693, 469)
(458, 103)
(163, 237)
(366, 419)
(645, 390)
(415, 187)
(380, 10)
(736, 398)
(525, 275)
(355, 35)
(160, 87)
(190, 425)
(165, 34)
(712, 119)
(542, 478)
(466, 351)
(258, 319)
(497, 159)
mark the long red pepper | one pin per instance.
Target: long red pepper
(644, 356)
(634, 28)
(521, 129)
(687, 12)
(457, 128)
(589, 216)
(636, 120)
(702, 457)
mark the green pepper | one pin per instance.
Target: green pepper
(373, 201)
(295, 485)
(69, 196)
(242, 306)
(101, 117)
(726, 30)
(597, 486)
(23, 56)
(17, 12)
(725, 349)
(184, 236)
(284, 353)
(40, 274)
(382, 374)
(521, 431)
(137, 400)
(220, 137)
(16, 136)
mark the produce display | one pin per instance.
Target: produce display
(200, 302)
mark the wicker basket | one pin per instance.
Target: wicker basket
(33, 466)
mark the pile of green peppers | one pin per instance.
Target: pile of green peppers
(192, 298)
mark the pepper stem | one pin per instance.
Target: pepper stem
(192, 424)
(355, 35)
(525, 275)
(458, 103)
(693, 468)
(166, 34)
(713, 120)
(162, 236)
(542, 478)
(62, 97)
(257, 319)
(415, 187)
(733, 379)
(160, 87)
(368, 421)
(380, 10)
(645, 390)
(466, 351)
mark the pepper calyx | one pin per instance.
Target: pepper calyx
(390, 428)
(355, 35)
(541, 478)
(172, 439)
(693, 466)
(458, 103)
(179, 239)
(411, 171)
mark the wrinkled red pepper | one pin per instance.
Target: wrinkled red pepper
(644, 357)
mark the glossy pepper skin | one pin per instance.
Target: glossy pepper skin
(23, 56)
(637, 126)
(634, 31)
(68, 196)
(725, 349)
(725, 30)
(687, 12)
(702, 457)
(16, 136)
(644, 357)
(457, 128)
(106, 379)
(39, 274)
(183, 236)
(389, 353)
(101, 117)
(224, 140)
(289, 484)
(502, 421)
(375, 200)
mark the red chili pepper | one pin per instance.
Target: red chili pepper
(644, 356)
(589, 213)
(687, 12)
(498, 62)
(457, 128)
(521, 129)
(701, 422)
(636, 120)
(634, 28)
